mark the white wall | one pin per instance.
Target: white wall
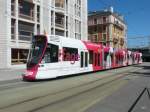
(4, 33)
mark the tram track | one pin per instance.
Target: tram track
(109, 79)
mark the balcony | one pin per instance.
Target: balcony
(26, 17)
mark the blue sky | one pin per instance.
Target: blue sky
(135, 12)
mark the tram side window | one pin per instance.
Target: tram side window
(105, 56)
(51, 54)
(98, 59)
(70, 54)
(86, 59)
(90, 57)
(81, 61)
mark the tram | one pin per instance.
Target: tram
(54, 56)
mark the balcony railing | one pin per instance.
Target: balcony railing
(60, 23)
(26, 16)
(25, 37)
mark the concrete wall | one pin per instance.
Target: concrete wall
(4, 33)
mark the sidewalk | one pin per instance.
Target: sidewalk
(10, 74)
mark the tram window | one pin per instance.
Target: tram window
(86, 59)
(90, 57)
(98, 59)
(105, 56)
(70, 54)
(95, 59)
(47, 58)
(81, 60)
(51, 54)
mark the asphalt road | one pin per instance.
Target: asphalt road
(94, 92)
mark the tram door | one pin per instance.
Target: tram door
(84, 59)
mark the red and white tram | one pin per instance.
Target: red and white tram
(51, 57)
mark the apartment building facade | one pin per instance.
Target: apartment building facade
(21, 19)
(108, 28)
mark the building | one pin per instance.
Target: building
(20, 19)
(108, 28)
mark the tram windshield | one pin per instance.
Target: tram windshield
(36, 51)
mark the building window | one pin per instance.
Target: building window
(38, 29)
(25, 31)
(78, 8)
(19, 56)
(60, 3)
(59, 20)
(38, 13)
(12, 7)
(95, 38)
(13, 22)
(104, 29)
(59, 32)
(26, 10)
(77, 26)
(95, 28)
(104, 37)
(66, 22)
(77, 29)
(104, 19)
(95, 21)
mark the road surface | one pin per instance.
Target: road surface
(106, 91)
